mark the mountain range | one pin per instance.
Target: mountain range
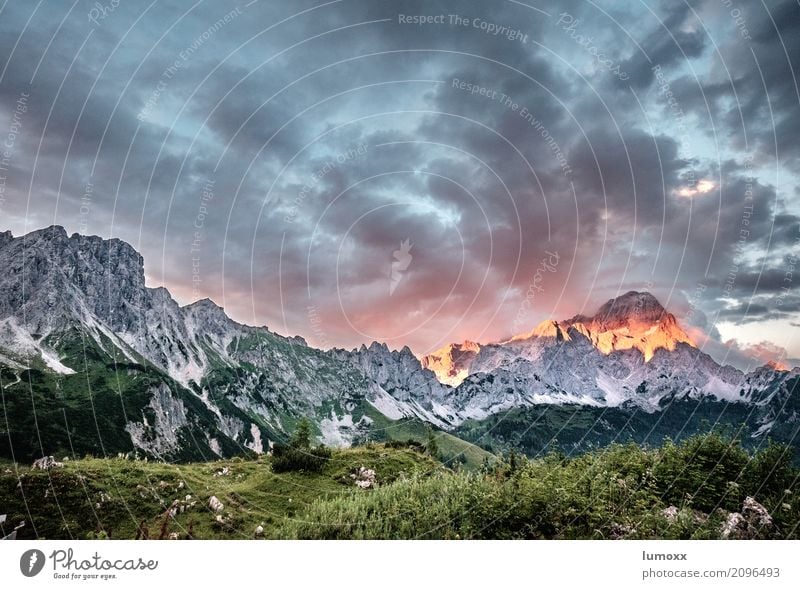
(94, 361)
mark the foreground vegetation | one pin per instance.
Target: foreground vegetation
(679, 491)
(695, 489)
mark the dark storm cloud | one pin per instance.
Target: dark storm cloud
(631, 172)
(755, 312)
(767, 280)
(290, 165)
(666, 44)
(751, 89)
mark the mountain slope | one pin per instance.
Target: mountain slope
(94, 361)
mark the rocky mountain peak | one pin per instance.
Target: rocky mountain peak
(451, 362)
(5, 237)
(550, 328)
(777, 366)
(207, 309)
(53, 232)
(634, 320)
(632, 306)
(378, 348)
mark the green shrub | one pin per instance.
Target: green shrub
(704, 472)
(410, 444)
(621, 491)
(770, 472)
(289, 458)
(302, 435)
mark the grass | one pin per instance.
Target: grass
(113, 496)
(622, 491)
(452, 450)
(679, 491)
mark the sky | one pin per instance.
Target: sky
(421, 173)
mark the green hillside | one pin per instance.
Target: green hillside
(114, 496)
(686, 490)
(452, 450)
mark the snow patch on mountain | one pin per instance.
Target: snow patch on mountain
(16, 338)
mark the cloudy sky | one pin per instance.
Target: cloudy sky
(348, 171)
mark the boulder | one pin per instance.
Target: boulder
(670, 513)
(363, 477)
(46, 463)
(752, 523)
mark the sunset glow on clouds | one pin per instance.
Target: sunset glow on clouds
(702, 187)
(279, 170)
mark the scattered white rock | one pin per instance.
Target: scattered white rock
(47, 463)
(364, 477)
(756, 513)
(670, 513)
(173, 535)
(733, 525)
(754, 522)
(215, 504)
(259, 531)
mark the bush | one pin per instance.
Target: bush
(622, 491)
(410, 444)
(704, 472)
(290, 458)
(770, 472)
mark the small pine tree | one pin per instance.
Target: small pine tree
(486, 466)
(432, 446)
(513, 462)
(302, 435)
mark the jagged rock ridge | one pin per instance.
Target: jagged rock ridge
(190, 382)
